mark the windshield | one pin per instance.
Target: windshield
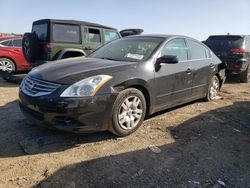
(224, 43)
(128, 49)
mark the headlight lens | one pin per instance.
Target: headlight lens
(86, 87)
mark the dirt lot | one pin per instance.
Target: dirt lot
(200, 144)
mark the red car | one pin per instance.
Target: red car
(11, 55)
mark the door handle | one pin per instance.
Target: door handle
(188, 71)
(212, 65)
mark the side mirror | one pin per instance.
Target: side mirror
(166, 59)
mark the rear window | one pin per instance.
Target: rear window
(66, 33)
(223, 43)
(41, 31)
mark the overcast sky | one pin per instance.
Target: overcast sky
(195, 18)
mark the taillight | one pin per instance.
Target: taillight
(47, 48)
(238, 51)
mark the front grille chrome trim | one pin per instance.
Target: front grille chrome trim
(34, 87)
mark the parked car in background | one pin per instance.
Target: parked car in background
(234, 50)
(117, 85)
(59, 39)
(11, 55)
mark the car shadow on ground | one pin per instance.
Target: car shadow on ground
(10, 80)
(233, 79)
(209, 150)
(19, 137)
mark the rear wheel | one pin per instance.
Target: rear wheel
(213, 89)
(31, 47)
(7, 65)
(129, 111)
(245, 76)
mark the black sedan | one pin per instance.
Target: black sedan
(116, 86)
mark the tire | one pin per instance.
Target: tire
(7, 65)
(31, 47)
(245, 76)
(213, 89)
(129, 111)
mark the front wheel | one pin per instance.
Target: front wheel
(129, 111)
(213, 89)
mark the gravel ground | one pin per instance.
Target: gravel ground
(200, 144)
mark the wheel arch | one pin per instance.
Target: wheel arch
(59, 55)
(142, 86)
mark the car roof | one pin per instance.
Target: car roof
(10, 38)
(73, 22)
(228, 36)
(163, 36)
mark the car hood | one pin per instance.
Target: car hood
(71, 70)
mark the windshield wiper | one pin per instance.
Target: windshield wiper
(107, 58)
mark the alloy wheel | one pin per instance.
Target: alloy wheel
(214, 89)
(6, 65)
(130, 112)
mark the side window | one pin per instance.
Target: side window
(110, 35)
(41, 31)
(6, 43)
(198, 51)
(66, 33)
(176, 47)
(17, 43)
(92, 35)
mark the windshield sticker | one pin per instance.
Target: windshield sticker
(134, 56)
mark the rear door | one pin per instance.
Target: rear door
(91, 39)
(173, 81)
(202, 67)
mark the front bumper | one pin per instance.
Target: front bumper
(86, 114)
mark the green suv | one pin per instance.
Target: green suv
(59, 39)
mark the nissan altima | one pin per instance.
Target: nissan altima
(115, 87)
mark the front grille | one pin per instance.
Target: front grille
(35, 87)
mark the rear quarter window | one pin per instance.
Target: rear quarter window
(17, 43)
(66, 33)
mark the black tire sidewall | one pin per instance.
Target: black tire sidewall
(116, 128)
(244, 75)
(34, 47)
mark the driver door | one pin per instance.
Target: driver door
(173, 81)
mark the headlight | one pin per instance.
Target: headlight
(86, 87)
